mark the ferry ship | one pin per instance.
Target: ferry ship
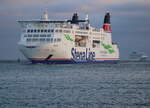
(68, 41)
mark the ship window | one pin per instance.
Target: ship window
(66, 31)
(51, 39)
(49, 30)
(80, 41)
(31, 31)
(96, 44)
(58, 39)
(48, 35)
(36, 35)
(60, 31)
(41, 31)
(28, 39)
(29, 35)
(56, 30)
(45, 30)
(28, 31)
(34, 30)
(38, 30)
(54, 40)
(34, 39)
(42, 39)
(52, 30)
(48, 39)
(42, 35)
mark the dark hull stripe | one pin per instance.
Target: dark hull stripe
(72, 61)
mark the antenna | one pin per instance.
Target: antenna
(87, 19)
(45, 16)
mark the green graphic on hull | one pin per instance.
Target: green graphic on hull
(68, 37)
(108, 48)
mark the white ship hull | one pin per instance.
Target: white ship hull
(55, 53)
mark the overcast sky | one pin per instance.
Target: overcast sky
(130, 21)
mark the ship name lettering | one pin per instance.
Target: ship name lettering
(83, 55)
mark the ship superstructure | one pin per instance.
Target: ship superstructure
(69, 41)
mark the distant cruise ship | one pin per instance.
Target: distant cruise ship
(138, 56)
(69, 41)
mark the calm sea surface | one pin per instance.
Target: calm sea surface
(123, 85)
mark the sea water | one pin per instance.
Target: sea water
(122, 85)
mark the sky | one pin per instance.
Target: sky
(130, 20)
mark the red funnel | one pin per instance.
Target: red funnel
(107, 25)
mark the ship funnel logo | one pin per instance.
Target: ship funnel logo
(107, 25)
